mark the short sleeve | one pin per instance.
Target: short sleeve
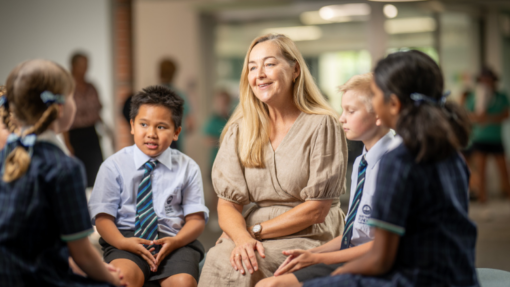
(393, 196)
(69, 202)
(228, 173)
(105, 197)
(193, 193)
(328, 162)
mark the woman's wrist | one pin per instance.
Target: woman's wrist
(243, 238)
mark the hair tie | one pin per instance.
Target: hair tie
(27, 141)
(4, 103)
(420, 98)
(49, 98)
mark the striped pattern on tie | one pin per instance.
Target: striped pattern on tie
(146, 222)
(349, 222)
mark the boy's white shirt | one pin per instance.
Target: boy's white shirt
(362, 233)
(176, 184)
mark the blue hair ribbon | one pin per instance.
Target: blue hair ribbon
(4, 103)
(49, 98)
(27, 141)
(420, 98)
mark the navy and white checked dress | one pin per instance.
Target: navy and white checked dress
(38, 213)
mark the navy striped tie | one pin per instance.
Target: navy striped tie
(146, 223)
(346, 238)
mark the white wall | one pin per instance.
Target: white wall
(53, 29)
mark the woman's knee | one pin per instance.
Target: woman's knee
(185, 280)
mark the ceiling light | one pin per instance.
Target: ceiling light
(314, 18)
(332, 12)
(390, 11)
(410, 25)
(298, 33)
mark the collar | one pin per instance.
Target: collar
(379, 149)
(140, 158)
(51, 137)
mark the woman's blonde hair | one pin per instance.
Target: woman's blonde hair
(254, 115)
(24, 87)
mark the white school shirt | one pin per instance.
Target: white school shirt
(177, 189)
(361, 232)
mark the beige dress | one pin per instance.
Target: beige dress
(309, 164)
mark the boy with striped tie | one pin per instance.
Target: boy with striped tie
(360, 123)
(148, 199)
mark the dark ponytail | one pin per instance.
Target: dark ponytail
(431, 130)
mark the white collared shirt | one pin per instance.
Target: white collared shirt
(361, 232)
(177, 189)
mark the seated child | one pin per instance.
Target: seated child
(44, 220)
(360, 123)
(148, 199)
(422, 233)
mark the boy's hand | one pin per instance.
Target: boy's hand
(297, 259)
(167, 246)
(135, 245)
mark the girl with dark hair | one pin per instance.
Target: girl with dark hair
(44, 217)
(423, 235)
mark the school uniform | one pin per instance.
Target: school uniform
(39, 213)
(361, 232)
(176, 192)
(426, 204)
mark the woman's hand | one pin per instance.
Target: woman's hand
(297, 259)
(245, 252)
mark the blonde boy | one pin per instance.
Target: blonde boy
(360, 123)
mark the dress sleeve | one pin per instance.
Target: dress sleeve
(228, 173)
(69, 203)
(393, 196)
(328, 162)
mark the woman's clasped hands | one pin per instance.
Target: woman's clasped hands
(244, 252)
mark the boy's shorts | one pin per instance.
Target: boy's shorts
(315, 271)
(182, 260)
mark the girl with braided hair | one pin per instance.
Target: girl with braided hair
(44, 218)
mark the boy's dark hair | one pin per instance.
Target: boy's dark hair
(159, 96)
(430, 131)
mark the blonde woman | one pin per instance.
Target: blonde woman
(284, 150)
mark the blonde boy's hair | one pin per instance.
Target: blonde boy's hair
(360, 84)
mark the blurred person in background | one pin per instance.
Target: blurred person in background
(82, 139)
(488, 109)
(167, 71)
(216, 122)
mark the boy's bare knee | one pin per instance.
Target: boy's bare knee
(182, 279)
(268, 282)
(133, 275)
(280, 281)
